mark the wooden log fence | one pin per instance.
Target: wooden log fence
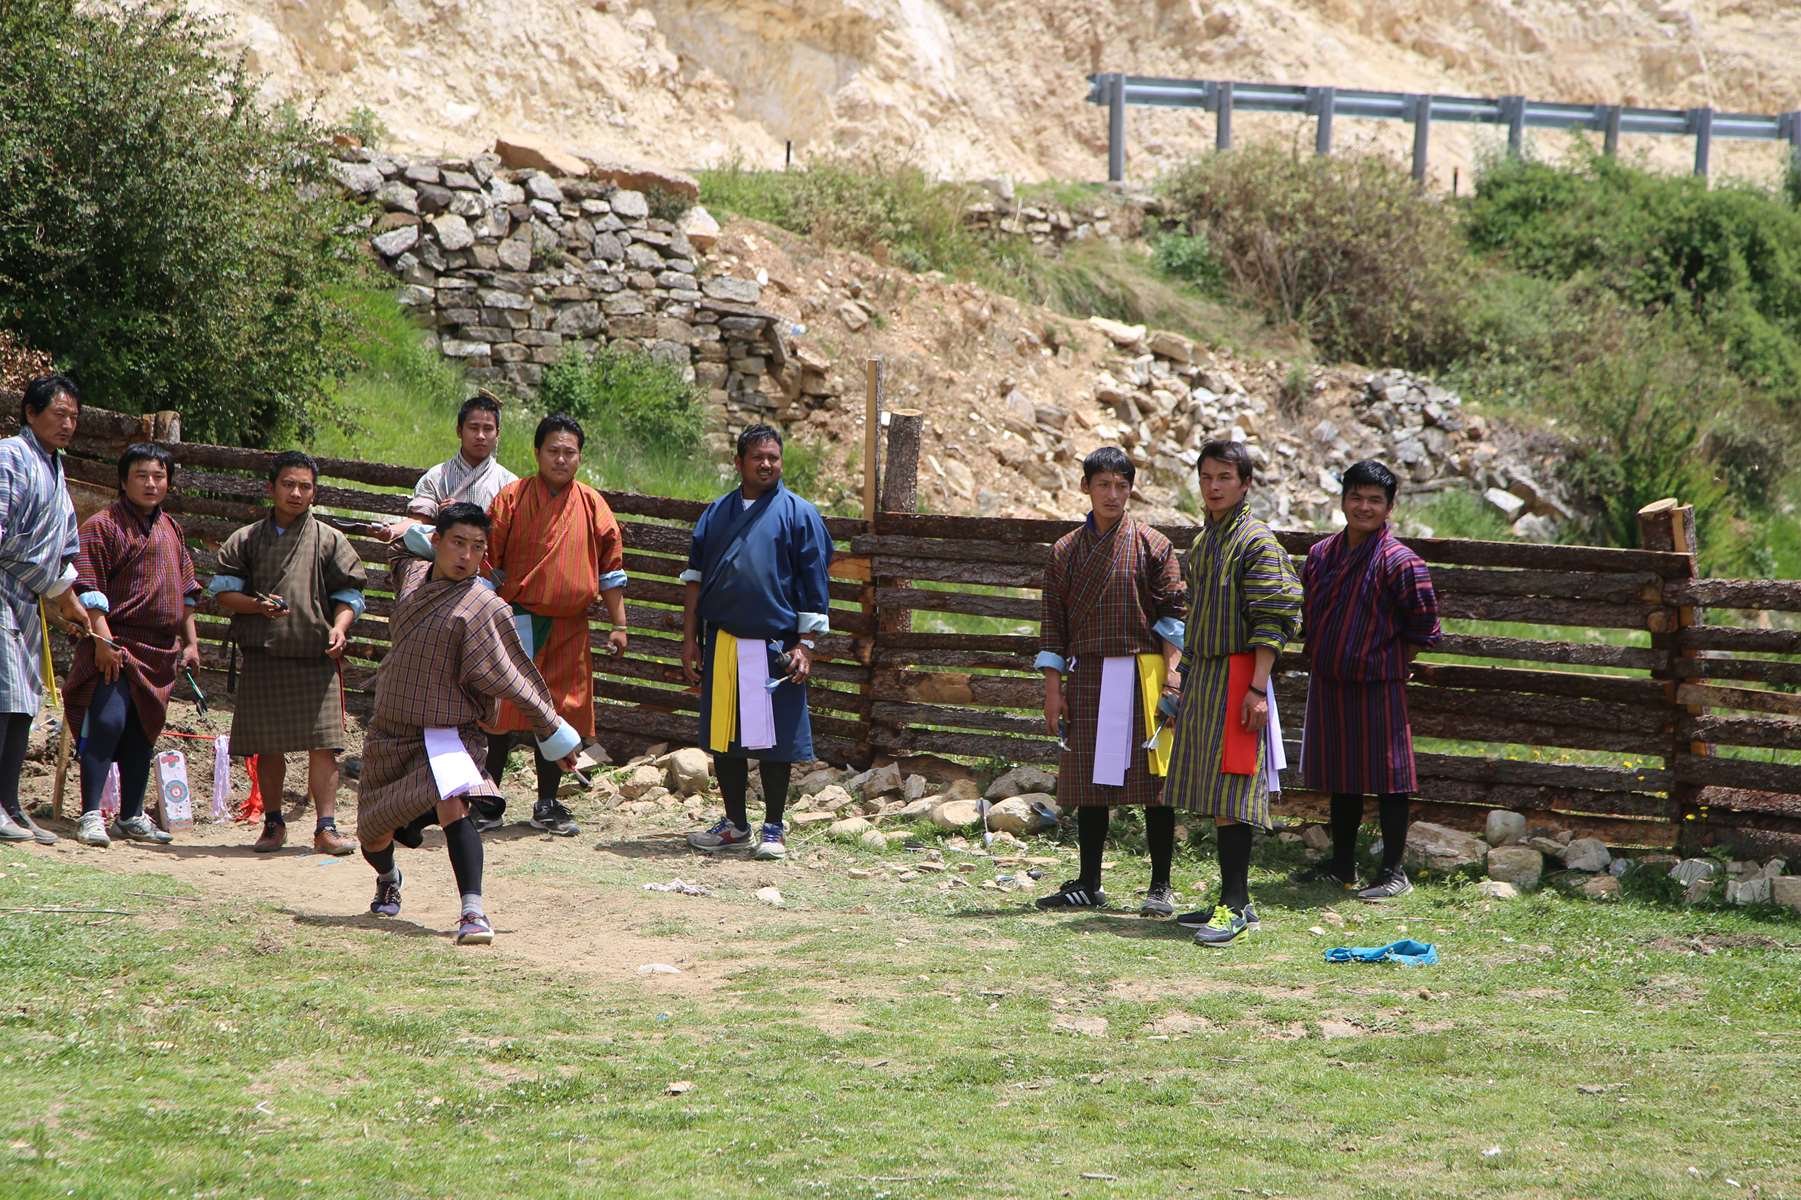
(1611, 691)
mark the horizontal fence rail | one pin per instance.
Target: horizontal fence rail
(1422, 110)
(1608, 691)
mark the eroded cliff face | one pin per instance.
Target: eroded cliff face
(977, 87)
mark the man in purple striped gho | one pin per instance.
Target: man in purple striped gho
(1369, 609)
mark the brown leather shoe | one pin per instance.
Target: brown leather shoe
(330, 841)
(274, 837)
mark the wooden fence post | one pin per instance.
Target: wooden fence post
(866, 644)
(1669, 525)
(900, 494)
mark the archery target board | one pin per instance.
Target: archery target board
(173, 792)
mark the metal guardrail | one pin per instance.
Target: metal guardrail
(1518, 114)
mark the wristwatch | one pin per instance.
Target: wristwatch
(808, 643)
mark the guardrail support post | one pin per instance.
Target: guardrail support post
(1794, 140)
(1222, 132)
(1420, 109)
(1513, 111)
(1116, 128)
(1324, 99)
(1701, 121)
(1610, 130)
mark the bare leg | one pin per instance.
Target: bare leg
(322, 782)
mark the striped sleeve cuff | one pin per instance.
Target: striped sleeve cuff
(1173, 630)
(1049, 661)
(95, 602)
(226, 583)
(561, 744)
(351, 597)
(814, 623)
(611, 580)
(63, 583)
(1268, 635)
(689, 576)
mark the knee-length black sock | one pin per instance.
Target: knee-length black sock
(1235, 865)
(733, 773)
(13, 746)
(383, 861)
(775, 776)
(1160, 837)
(1091, 836)
(465, 846)
(1347, 817)
(1392, 810)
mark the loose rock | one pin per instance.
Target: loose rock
(1521, 866)
(1587, 854)
(687, 771)
(1441, 848)
(1020, 780)
(1504, 827)
(1495, 889)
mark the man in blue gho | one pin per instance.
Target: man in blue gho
(756, 598)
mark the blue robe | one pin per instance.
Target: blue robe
(39, 539)
(762, 575)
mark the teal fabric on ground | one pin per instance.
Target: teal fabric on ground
(1407, 952)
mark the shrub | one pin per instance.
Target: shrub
(617, 392)
(174, 242)
(1347, 248)
(1188, 257)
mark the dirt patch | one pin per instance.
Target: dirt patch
(1152, 990)
(1180, 1024)
(1708, 943)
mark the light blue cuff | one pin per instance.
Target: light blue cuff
(417, 540)
(611, 580)
(689, 576)
(353, 598)
(561, 744)
(1047, 659)
(95, 602)
(227, 583)
(1173, 630)
(191, 601)
(814, 623)
(487, 583)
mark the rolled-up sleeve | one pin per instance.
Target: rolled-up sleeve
(353, 598)
(1272, 595)
(612, 579)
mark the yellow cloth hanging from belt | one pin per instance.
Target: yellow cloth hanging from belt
(722, 725)
(47, 665)
(1151, 674)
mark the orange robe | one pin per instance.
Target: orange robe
(552, 556)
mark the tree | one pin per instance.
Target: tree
(171, 239)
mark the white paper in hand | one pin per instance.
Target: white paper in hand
(451, 767)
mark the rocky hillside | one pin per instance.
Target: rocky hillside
(972, 87)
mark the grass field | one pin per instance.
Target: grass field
(869, 1039)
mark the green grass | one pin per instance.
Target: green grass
(875, 1039)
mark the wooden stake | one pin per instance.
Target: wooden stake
(62, 771)
(872, 423)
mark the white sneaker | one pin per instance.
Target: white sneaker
(141, 829)
(769, 844)
(11, 830)
(91, 831)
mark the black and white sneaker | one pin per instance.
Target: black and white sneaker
(1326, 873)
(1075, 893)
(1387, 886)
(1160, 901)
(488, 816)
(554, 819)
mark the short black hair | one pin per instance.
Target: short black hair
(1236, 453)
(559, 423)
(1109, 460)
(463, 513)
(287, 460)
(756, 433)
(139, 452)
(1370, 473)
(480, 402)
(42, 392)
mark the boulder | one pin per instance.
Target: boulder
(453, 232)
(921, 807)
(850, 827)
(874, 839)
(958, 815)
(1021, 780)
(634, 177)
(1441, 848)
(833, 798)
(687, 771)
(916, 787)
(361, 178)
(640, 780)
(1601, 887)
(1118, 332)
(885, 780)
(1786, 891)
(1504, 828)
(1692, 870)
(1316, 837)
(810, 817)
(1749, 891)
(817, 780)
(521, 151)
(1013, 815)
(1521, 866)
(1172, 346)
(1586, 854)
(396, 242)
(1494, 889)
(629, 205)
(701, 228)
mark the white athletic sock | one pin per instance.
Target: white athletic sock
(472, 903)
(392, 876)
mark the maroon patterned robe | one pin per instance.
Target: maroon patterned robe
(144, 570)
(1103, 597)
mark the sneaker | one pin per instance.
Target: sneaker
(330, 841)
(769, 844)
(1326, 873)
(274, 837)
(488, 814)
(139, 829)
(722, 836)
(475, 930)
(1160, 901)
(1202, 917)
(91, 830)
(1387, 886)
(11, 830)
(1075, 893)
(39, 834)
(387, 897)
(489, 824)
(1226, 925)
(554, 819)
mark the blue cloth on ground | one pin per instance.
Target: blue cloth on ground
(1407, 952)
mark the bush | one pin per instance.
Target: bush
(624, 393)
(1188, 257)
(1347, 248)
(171, 240)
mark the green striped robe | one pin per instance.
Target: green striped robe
(1242, 593)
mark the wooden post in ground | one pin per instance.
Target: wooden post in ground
(866, 644)
(1670, 526)
(900, 494)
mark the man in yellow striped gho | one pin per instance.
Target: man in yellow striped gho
(755, 600)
